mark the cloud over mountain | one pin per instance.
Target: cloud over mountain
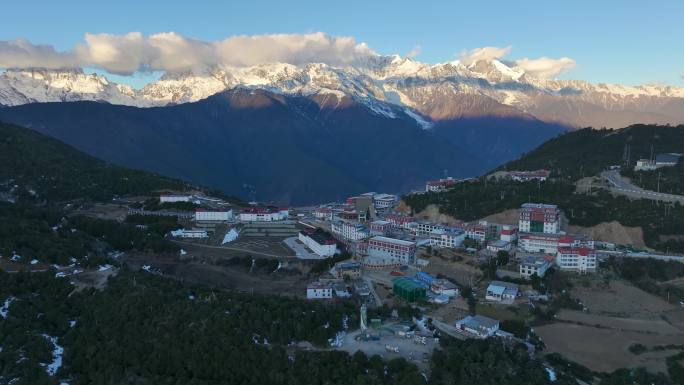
(483, 53)
(125, 54)
(545, 67)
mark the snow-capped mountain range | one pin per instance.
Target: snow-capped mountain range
(427, 92)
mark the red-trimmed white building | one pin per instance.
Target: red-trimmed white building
(320, 243)
(580, 259)
(380, 227)
(400, 221)
(508, 233)
(264, 214)
(204, 215)
(440, 184)
(539, 218)
(539, 243)
(389, 252)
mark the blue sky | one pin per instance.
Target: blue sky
(630, 42)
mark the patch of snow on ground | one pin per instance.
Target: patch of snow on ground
(424, 124)
(72, 323)
(147, 268)
(34, 261)
(4, 310)
(104, 267)
(551, 373)
(57, 352)
(183, 252)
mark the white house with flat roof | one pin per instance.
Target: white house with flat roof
(500, 291)
(478, 326)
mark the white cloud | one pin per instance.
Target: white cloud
(131, 52)
(125, 54)
(415, 51)
(21, 53)
(545, 67)
(483, 53)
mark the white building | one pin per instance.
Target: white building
(423, 228)
(318, 290)
(478, 326)
(526, 176)
(181, 233)
(264, 214)
(534, 265)
(539, 243)
(645, 165)
(320, 243)
(350, 231)
(508, 233)
(202, 215)
(499, 245)
(500, 291)
(449, 237)
(539, 218)
(444, 287)
(440, 184)
(323, 214)
(384, 251)
(384, 202)
(169, 198)
(582, 259)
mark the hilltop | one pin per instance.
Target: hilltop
(570, 157)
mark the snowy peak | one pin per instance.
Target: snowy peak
(433, 91)
(41, 85)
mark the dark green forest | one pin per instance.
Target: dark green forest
(54, 171)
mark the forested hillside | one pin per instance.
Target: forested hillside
(42, 168)
(570, 157)
(588, 151)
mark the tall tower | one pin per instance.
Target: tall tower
(364, 318)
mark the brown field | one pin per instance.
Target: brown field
(110, 211)
(605, 350)
(617, 316)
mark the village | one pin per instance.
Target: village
(467, 279)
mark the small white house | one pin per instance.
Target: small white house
(534, 265)
(500, 291)
(318, 290)
(499, 245)
(478, 326)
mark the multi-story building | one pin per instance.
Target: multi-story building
(423, 228)
(449, 237)
(380, 227)
(399, 221)
(264, 214)
(531, 265)
(576, 241)
(440, 184)
(319, 242)
(318, 290)
(350, 231)
(539, 218)
(384, 202)
(508, 233)
(581, 259)
(323, 213)
(203, 215)
(384, 251)
(539, 243)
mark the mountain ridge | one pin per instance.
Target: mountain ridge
(503, 88)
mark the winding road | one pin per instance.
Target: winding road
(624, 186)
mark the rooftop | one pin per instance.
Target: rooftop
(539, 206)
(393, 240)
